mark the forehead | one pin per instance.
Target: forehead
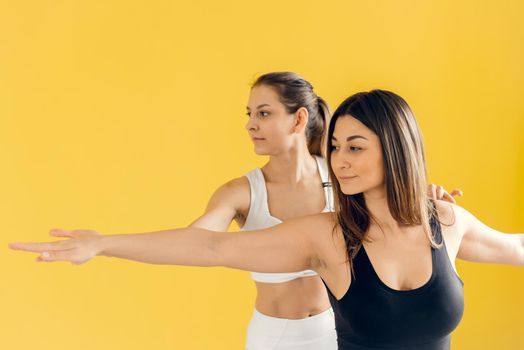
(262, 94)
(347, 126)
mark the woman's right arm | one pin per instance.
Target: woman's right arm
(226, 204)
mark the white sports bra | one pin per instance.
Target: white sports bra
(259, 217)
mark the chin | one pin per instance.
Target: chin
(351, 190)
(261, 152)
(351, 193)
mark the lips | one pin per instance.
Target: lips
(342, 178)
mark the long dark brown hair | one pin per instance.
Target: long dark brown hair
(391, 119)
(295, 92)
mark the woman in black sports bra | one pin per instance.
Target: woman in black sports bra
(404, 291)
(387, 254)
(372, 314)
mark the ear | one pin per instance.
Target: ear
(301, 119)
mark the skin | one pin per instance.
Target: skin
(357, 165)
(298, 243)
(294, 189)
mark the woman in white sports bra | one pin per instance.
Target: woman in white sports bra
(294, 314)
(287, 121)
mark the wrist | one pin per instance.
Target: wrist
(100, 245)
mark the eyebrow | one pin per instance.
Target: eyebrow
(259, 106)
(350, 138)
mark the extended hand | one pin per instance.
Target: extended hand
(79, 248)
(438, 192)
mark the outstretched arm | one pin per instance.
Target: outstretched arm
(286, 247)
(481, 243)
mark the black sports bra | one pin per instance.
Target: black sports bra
(372, 315)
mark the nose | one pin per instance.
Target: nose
(340, 161)
(251, 125)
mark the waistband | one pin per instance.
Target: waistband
(313, 326)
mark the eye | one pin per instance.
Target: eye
(334, 148)
(248, 114)
(355, 149)
(263, 114)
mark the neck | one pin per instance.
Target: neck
(291, 167)
(377, 204)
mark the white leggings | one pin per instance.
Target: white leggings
(311, 333)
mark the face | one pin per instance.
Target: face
(356, 157)
(269, 125)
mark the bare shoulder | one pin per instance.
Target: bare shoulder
(453, 219)
(235, 193)
(236, 185)
(451, 214)
(445, 212)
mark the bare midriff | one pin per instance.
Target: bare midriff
(296, 299)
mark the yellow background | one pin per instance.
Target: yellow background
(124, 116)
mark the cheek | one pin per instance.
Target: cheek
(373, 169)
(378, 169)
(278, 132)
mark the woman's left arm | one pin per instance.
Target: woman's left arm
(481, 243)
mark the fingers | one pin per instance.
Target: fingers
(64, 250)
(41, 247)
(432, 191)
(33, 247)
(440, 192)
(437, 192)
(61, 233)
(457, 192)
(448, 198)
(46, 246)
(63, 255)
